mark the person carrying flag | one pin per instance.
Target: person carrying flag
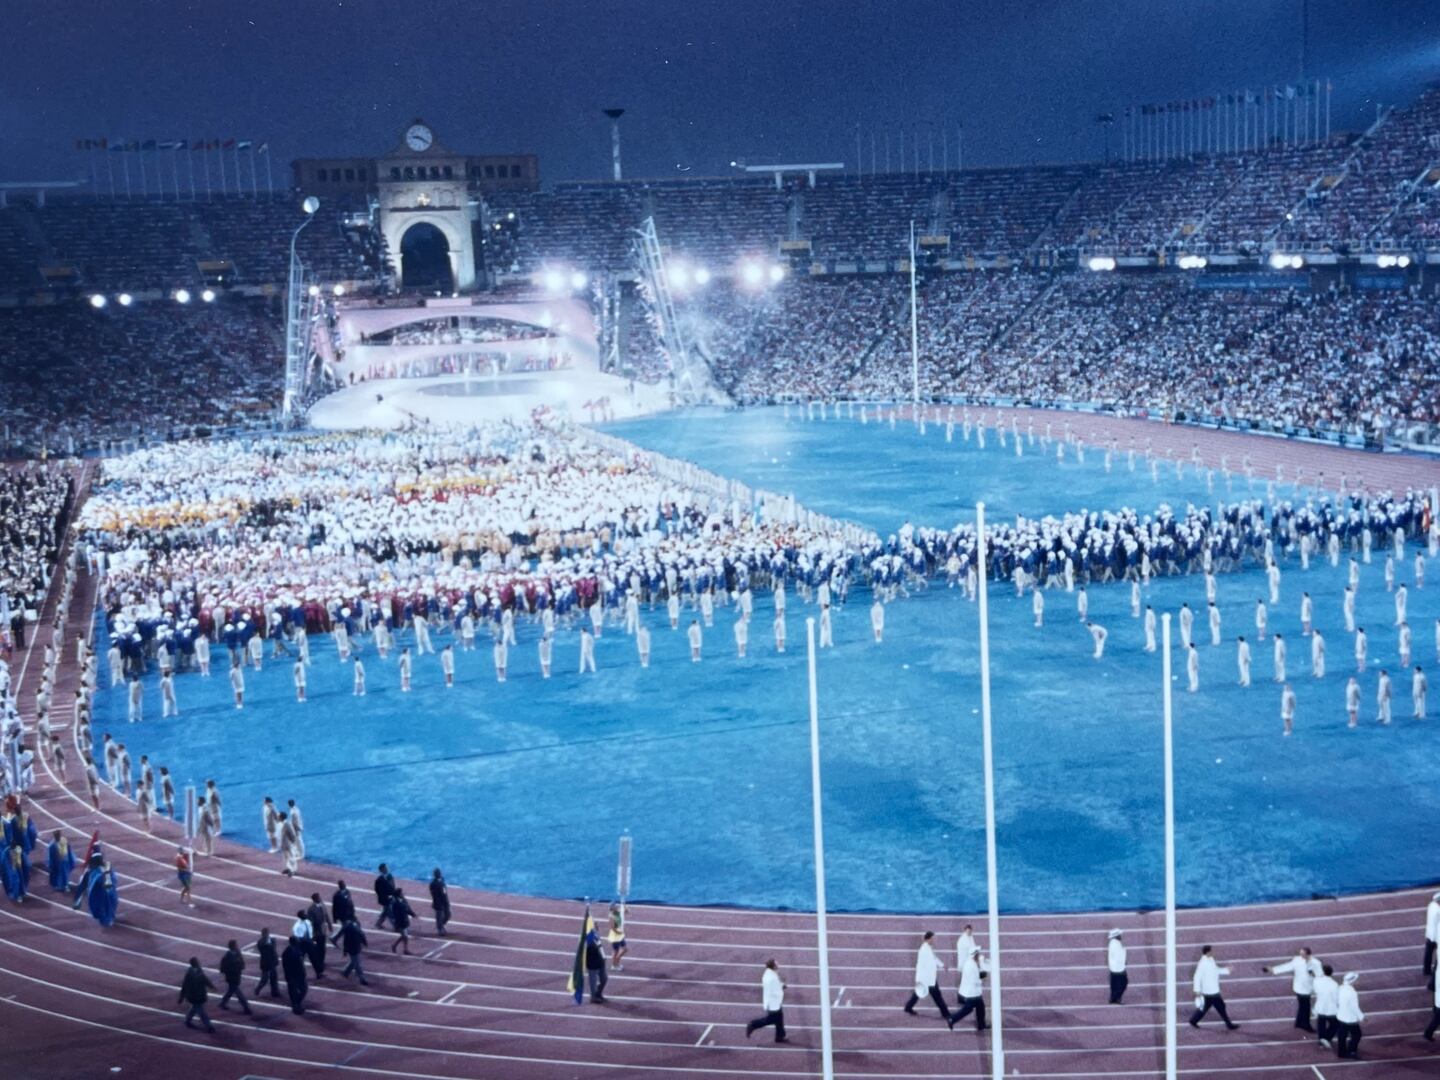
(589, 963)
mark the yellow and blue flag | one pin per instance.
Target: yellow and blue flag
(576, 984)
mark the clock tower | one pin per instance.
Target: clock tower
(422, 187)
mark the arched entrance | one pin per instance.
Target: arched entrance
(425, 259)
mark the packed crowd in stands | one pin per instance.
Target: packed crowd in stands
(33, 503)
(77, 377)
(164, 246)
(1334, 360)
(1376, 179)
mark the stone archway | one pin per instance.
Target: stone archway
(425, 259)
(452, 227)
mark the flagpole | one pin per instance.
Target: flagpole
(190, 822)
(269, 183)
(997, 1043)
(914, 328)
(827, 1047)
(190, 163)
(1171, 1041)
(205, 160)
(254, 183)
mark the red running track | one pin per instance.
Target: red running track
(490, 1001)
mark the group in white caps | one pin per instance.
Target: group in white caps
(972, 968)
(1336, 1003)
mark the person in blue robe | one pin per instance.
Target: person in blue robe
(17, 873)
(21, 830)
(60, 860)
(103, 895)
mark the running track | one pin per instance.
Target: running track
(490, 1001)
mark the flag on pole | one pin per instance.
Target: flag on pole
(244, 144)
(263, 148)
(576, 985)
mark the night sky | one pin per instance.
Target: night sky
(703, 82)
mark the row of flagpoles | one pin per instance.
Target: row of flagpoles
(1227, 123)
(158, 171)
(918, 148)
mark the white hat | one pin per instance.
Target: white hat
(1351, 976)
(1112, 935)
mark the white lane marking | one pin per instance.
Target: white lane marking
(704, 1034)
(451, 994)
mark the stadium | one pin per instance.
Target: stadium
(656, 625)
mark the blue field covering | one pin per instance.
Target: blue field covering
(526, 786)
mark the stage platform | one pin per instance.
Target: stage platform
(462, 399)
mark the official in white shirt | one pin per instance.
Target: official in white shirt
(1347, 1045)
(772, 1000)
(972, 991)
(1327, 1003)
(927, 977)
(1207, 990)
(1434, 1017)
(1303, 971)
(1432, 934)
(1115, 960)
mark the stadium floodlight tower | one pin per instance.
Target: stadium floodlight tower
(614, 115)
(693, 381)
(298, 310)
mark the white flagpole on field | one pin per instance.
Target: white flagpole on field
(997, 1044)
(827, 1047)
(914, 328)
(1171, 1050)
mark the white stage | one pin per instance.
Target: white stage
(460, 399)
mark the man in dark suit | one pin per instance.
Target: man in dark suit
(269, 964)
(292, 961)
(384, 890)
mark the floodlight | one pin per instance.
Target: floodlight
(777, 273)
(552, 280)
(97, 301)
(208, 296)
(182, 296)
(1403, 261)
(314, 290)
(339, 290)
(1101, 263)
(578, 280)
(702, 276)
(310, 205)
(125, 299)
(752, 273)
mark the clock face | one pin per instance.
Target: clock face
(419, 137)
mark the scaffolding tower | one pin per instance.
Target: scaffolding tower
(693, 382)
